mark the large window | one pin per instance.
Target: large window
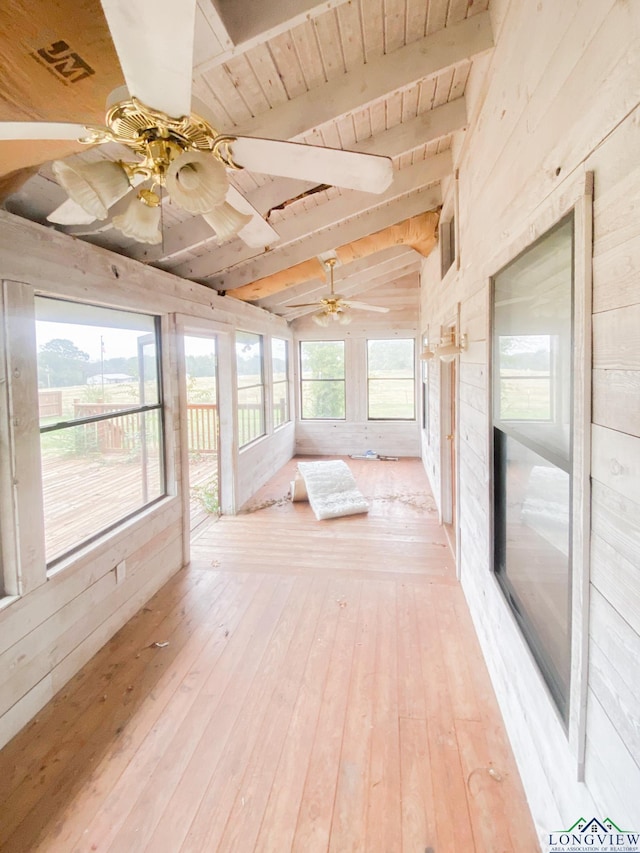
(280, 381)
(322, 379)
(391, 380)
(250, 370)
(100, 405)
(532, 420)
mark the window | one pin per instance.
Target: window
(532, 427)
(322, 379)
(280, 381)
(391, 380)
(250, 369)
(425, 386)
(100, 403)
(447, 245)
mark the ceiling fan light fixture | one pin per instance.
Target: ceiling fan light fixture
(197, 182)
(94, 186)
(321, 319)
(226, 221)
(141, 219)
(342, 318)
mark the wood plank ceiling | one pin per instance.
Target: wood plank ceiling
(378, 76)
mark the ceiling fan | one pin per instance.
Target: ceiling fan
(178, 149)
(335, 307)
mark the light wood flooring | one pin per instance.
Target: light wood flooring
(321, 689)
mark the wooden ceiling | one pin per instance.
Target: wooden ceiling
(378, 76)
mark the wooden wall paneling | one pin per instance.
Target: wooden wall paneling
(610, 771)
(616, 338)
(615, 519)
(613, 657)
(617, 580)
(571, 124)
(26, 470)
(498, 161)
(616, 400)
(259, 461)
(616, 461)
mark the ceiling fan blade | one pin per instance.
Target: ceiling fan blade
(364, 306)
(154, 43)
(348, 169)
(70, 213)
(258, 233)
(306, 305)
(23, 130)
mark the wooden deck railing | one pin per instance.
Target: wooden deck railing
(123, 432)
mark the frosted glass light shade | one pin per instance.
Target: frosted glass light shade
(140, 222)
(226, 221)
(94, 186)
(342, 318)
(321, 319)
(197, 182)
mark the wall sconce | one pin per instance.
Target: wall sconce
(427, 354)
(450, 346)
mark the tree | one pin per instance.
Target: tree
(61, 363)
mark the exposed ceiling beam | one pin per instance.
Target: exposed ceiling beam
(331, 214)
(391, 259)
(397, 70)
(417, 232)
(401, 139)
(375, 219)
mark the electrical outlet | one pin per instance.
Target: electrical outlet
(121, 571)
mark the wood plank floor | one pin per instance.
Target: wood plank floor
(322, 690)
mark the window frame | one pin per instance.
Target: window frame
(369, 379)
(304, 381)
(276, 383)
(575, 196)
(141, 410)
(261, 385)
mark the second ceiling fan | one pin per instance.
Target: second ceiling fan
(334, 307)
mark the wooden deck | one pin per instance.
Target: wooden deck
(321, 689)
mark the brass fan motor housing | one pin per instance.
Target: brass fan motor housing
(159, 138)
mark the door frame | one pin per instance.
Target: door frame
(450, 442)
(223, 333)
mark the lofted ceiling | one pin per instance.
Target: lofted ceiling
(376, 76)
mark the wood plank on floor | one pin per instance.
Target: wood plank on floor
(323, 689)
